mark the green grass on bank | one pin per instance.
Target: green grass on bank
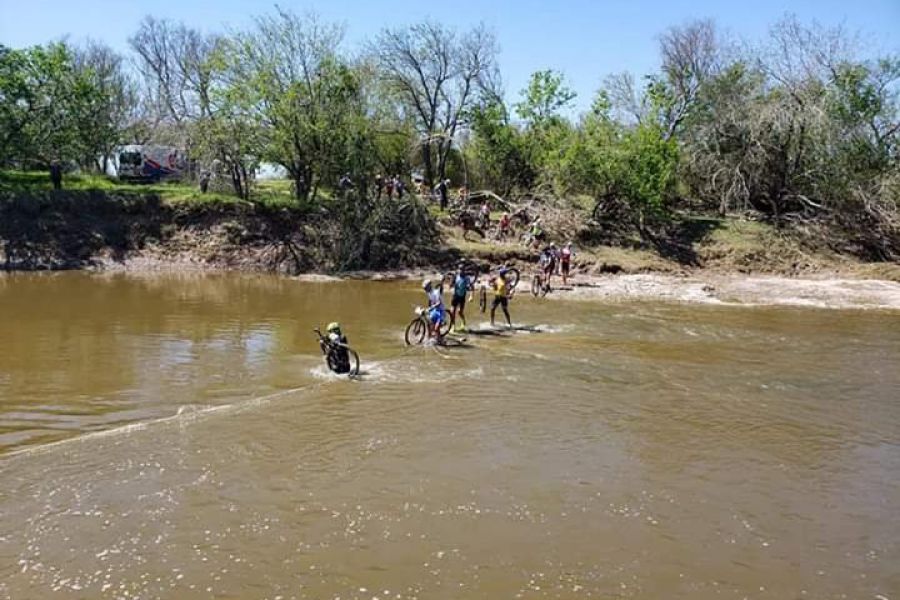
(269, 192)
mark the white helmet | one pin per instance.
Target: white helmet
(426, 284)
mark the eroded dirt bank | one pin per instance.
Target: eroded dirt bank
(141, 234)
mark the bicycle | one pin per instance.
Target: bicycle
(540, 286)
(333, 360)
(418, 328)
(512, 277)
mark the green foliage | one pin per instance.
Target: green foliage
(544, 98)
(499, 150)
(589, 162)
(307, 97)
(800, 129)
(275, 193)
(46, 105)
(644, 171)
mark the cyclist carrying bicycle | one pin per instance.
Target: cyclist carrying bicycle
(336, 344)
(547, 262)
(502, 294)
(536, 232)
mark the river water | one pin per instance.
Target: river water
(178, 437)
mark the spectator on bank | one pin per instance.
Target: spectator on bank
(205, 176)
(441, 188)
(56, 174)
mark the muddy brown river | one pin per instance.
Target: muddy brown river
(178, 437)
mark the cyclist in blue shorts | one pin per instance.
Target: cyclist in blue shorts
(435, 308)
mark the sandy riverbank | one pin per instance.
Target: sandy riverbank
(835, 291)
(737, 289)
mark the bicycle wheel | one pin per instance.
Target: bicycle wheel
(546, 289)
(415, 332)
(446, 323)
(482, 299)
(512, 278)
(354, 363)
(470, 269)
(536, 285)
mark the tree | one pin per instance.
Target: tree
(499, 149)
(545, 97)
(589, 161)
(229, 137)
(307, 96)
(174, 60)
(690, 56)
(110, 104)
(436, 74)
(44, 99)
(547, 132)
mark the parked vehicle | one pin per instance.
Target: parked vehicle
(150, 163)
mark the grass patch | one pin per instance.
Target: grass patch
(275, 193)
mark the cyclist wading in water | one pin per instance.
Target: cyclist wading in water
(341, 357)
(435, 309)
(548, 262)
(462, 285)
(502, 294)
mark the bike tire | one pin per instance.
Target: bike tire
(354, 363)
(546, 289)
(446, 323)
(512, 278)
(470, 267)
(536, 285)
(482, 299)
(415, 332)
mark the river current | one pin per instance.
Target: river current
(177, 436)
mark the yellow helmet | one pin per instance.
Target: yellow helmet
(333, 326)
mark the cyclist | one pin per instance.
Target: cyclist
(484, 216)
(462, 285)
(502, 294)
(537, 232)
(503, 227)
(565, 260)
(547, 262)
(435, 308)
(337, 347)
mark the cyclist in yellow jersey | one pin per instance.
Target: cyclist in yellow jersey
(501, 297)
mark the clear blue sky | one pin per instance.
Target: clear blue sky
(585, 39)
